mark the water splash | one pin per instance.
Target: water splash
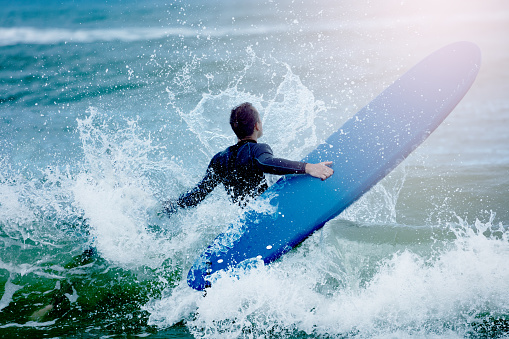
(37, 207)
(115, 192)
(288, 109)
(379, 205)
(406, 293)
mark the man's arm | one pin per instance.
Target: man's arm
(194, 196)
(269, 164)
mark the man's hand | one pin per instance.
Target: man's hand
(321, 170)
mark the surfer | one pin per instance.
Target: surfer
(241, 167)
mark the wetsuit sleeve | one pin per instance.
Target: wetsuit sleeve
(194, 196)
(268, 164)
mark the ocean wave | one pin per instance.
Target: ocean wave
(10, 36)
(46, 36)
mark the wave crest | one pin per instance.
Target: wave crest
(47, 36)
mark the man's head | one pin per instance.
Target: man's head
(244, 119)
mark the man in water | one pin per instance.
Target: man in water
(241, 167)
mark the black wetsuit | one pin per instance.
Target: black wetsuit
(240, 168)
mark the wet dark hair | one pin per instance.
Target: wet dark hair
(243, 120)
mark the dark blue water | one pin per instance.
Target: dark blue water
(108, 108)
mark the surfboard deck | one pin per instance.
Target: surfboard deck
(364, 150)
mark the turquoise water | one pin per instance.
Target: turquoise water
(108, 108)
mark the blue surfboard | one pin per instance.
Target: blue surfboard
(364, 150)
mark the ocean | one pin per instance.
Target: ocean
(109, 108)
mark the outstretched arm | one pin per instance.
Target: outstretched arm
(194, 196)
(269, 164)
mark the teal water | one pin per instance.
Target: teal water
(108, 108)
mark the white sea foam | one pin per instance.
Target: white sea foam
(9, 290)
(113, 192)
(34, 324)
(403, 295)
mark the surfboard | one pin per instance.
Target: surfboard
(364, 150)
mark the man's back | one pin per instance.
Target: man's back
(237, 168)
(240, 168)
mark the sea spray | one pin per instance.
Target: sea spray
(463, 281)
(38, 206)
(379, 205)
(115, 189)
(289, 110)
